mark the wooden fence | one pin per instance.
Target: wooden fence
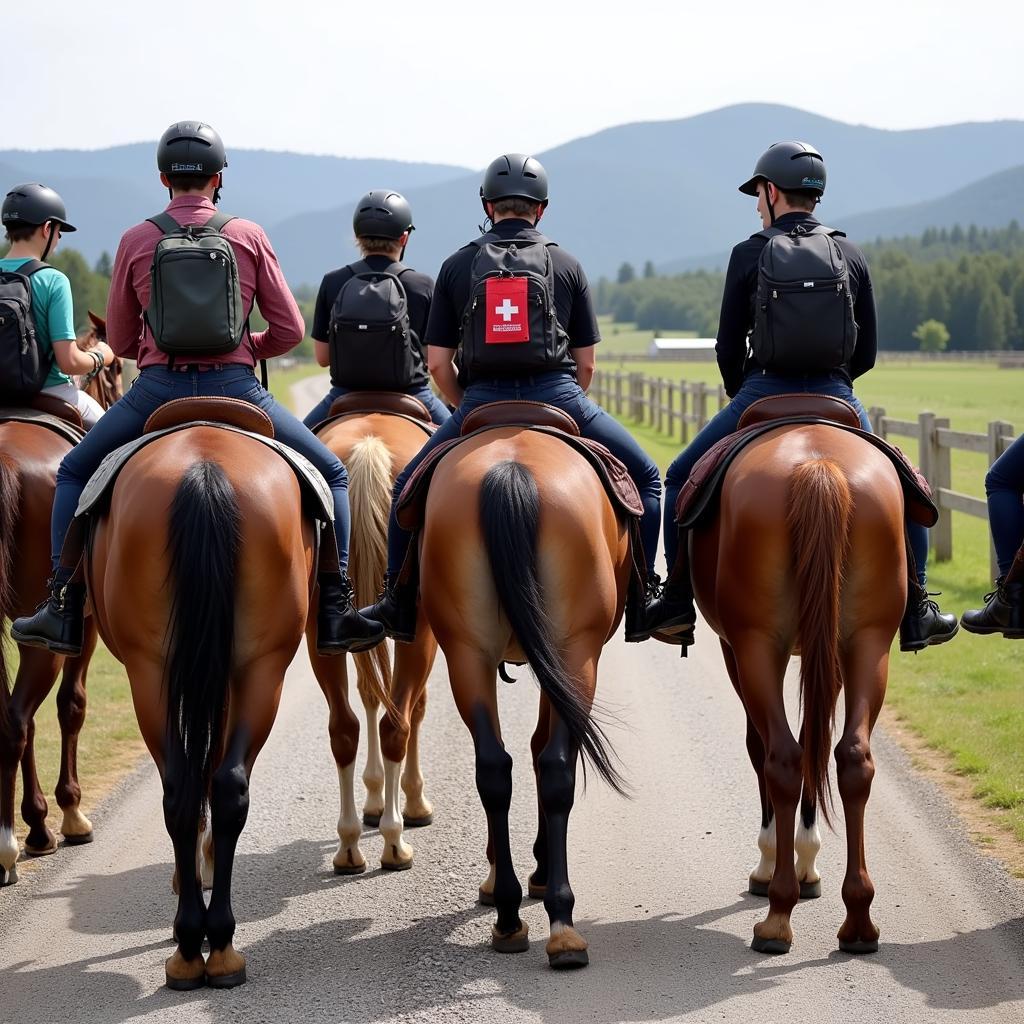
(680, 408)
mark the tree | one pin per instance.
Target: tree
(626, 273)
(104, 265)
(932, 335)
(649, 270)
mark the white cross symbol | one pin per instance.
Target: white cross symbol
(506, 310)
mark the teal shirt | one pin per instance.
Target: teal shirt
(52, 311)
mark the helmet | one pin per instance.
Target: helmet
(789, 166)
(35, 204)
(515, 175)
(382, 214)
(190, 147)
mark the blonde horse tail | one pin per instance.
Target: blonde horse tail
(819, 511)
(369, 470)
(10, 495)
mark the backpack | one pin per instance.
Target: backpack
(803, 314)
(195, 302)
(23, 368)
(510, 324)
(371, 345)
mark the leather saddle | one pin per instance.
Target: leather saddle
(388, 403)
(699, 495)
(47, 411)
(233, 412)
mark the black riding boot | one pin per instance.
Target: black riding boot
(395, 610)
(923, 624)
(667, 613)
(339, 627)
(59, 622)
(1004, 608)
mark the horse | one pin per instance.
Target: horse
(807, 556)
(525, 559)
(107, 385)
(29, 457)
(200, 574)
(375, 448)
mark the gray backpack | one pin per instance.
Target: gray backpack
(803, 316)
(23, 370)
(195, 302)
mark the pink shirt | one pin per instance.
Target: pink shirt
(259, 275)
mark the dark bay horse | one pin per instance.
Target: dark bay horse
(807, 556)
(524, 559)
(29, 457)
(375, 448)
(200, 576)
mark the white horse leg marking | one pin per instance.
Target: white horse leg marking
(762, 874)
(373, 774)
(75, 824)
(8, 856)
(807, 843)
(204, 853)
(416, 806)
(349, 858)
(397, 854)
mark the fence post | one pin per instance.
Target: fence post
(684, 412)
(700, 403)
(618, 393)
(926, 437)
(671, 408)
(877, 414)
(996, 432)
(942, 477)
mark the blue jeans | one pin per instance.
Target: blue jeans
(725, 422)
(561, 390)
(438, 410)
(156, 385)
(1004, 485)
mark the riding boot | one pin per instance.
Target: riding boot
(339, 627)
(924, 625)
(395, 610)
(1004, 607)
(58, 624)
(667, 613)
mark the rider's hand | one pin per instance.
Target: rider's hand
(106, 351)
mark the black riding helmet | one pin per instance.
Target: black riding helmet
(515, 175)
(790, 167)
(33, 203)
(191, 147)
(382, 214)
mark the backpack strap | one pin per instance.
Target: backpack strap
(30, 267)
(820, 229)
(769, 233)
(165, 222)
(219, 220)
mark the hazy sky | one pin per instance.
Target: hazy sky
(439, 82)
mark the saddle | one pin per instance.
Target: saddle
(537, 416)
(47, 411)
(387, 403)
(698, 498)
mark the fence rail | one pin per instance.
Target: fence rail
(680, 408)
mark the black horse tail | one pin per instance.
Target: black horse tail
(510, 516)
(204, 540)
(10, 495)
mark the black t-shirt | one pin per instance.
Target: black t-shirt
(739, 300)
(419, 289)
(573, 305)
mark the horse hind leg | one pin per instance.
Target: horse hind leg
(808, 845)
(418, 811)
(373, 772)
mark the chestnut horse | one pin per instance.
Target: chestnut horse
(807, 556)
(524, 559)
(375, 448)
(29, 457)
(200, 576)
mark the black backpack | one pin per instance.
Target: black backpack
(510, 324)
(195, 301)
(23, 368)
(371, 344)
(803, 314)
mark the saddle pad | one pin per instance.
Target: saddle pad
(43, 419)
(316, 494)
(617, 482)
(699, 495)
(427, 428)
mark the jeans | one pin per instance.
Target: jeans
(1004, 485)
(156, 385)
(438, 410)
(561, 390)
(725, 422)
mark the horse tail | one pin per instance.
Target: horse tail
(820, 507)
(369, 471)
(204, 541)
(510, 517)
(10, 496)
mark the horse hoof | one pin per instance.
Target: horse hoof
(773, 946)
(809, 890)
(82, 840)
(515, 942)
(398, 865)
(758, 888)
(8, 876)
(421, 822)
(859, 947)
(225, 968)
(371, 820)
(227, 980)
(484, 898)
(535, 891)
(568, 959)
(184, 975)
(349, 869)
(40, 851)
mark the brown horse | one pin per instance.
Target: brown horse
(107, 386)
(807, 556)
(29, 457)
(375, 448)
(524, 559)
(200, 577)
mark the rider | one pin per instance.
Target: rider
(1004, 608)
(190, 158)
(34, 218)
(382, 222)
(514, 195)
(788, 181)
